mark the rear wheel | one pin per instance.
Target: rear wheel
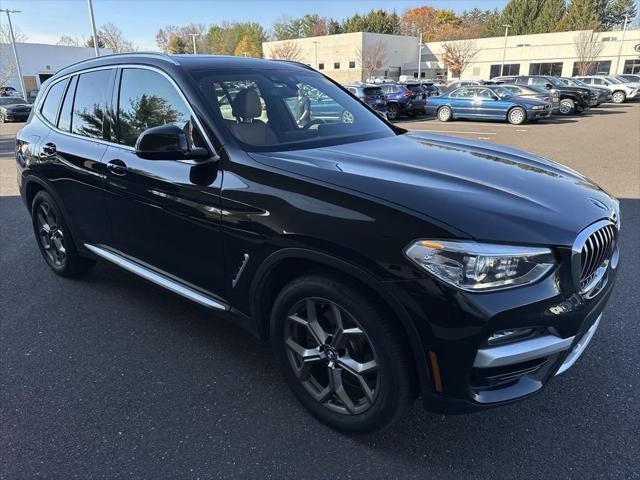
(54, 238)
(567, 106)
(340, 355)
(618, 97)
(393, 112)
(517, 116)
(444, 114)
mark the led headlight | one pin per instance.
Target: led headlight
(481, 266)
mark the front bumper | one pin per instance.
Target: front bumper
(455, 327)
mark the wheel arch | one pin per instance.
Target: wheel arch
(288, 263)
(517, 105)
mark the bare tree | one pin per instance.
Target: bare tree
(113, 38)
(286, 51)
(8, 68)
(458, 55)
(372, 58)
(68, 41)
(5, 36)
(588, 46)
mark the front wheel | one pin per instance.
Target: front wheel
(340, 355)
(618, 97)
(567, 106)
(517, 116)
(393, 112)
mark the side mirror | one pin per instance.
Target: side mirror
(548, 86)
(167, 142)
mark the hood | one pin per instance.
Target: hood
(17, 107)
(488, 192)
(531, 100)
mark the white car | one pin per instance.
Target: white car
(620, 91)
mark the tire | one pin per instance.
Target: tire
(322, 383)
(393, 112)
(444, 114)
(54, 238)
(618, 97)
(517, 116)
(567, 106)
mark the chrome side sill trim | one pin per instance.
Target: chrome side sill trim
(579, 347)
(521, 351)
(156, 278)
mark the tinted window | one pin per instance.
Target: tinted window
(64, 122)
(147, 99)
(52, 102)
(89, 107)
(352, 64)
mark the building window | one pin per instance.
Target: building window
(509, 69)
(553, 69)
(632, 66)
(336, 65)
(597, 68)
(352, 64)
(321, 66)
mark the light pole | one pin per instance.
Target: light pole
(315, 46)
(419, 55)
(193, 40)
(504, 50)
(15, 50)
(93, 29)
(624, 30)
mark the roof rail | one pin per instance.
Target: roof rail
(160, 55)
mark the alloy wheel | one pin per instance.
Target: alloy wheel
(565, 107)
(618, 97)
(347, 117)
(444, 114)
(516, 116)
(331, 356)
(50, 235)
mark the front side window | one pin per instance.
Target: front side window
(93, 93)
(284, 110)
(484, 93)
(147, 99)
(52, 102)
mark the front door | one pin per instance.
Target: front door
(165, 213)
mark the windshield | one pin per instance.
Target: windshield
(273, 110)
(555, 81)
(502, 92)
(579, 83)
(613, 80)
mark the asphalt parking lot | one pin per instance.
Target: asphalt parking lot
(110, 377)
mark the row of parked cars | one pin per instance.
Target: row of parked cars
(516, 99)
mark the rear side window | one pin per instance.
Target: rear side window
(147, 99)
(93, 94)
(52, 102)
(64, 122)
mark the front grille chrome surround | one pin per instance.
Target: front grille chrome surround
(592, 253)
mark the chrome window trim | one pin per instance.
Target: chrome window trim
(119, 145)
(164, 281)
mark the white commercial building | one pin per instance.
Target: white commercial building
(342, 56)
(39, 61)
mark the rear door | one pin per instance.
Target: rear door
(74, 149)
(165, 213)
(462, 102)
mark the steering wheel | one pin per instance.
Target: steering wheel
(315, 121)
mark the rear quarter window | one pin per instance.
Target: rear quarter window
(51, 103)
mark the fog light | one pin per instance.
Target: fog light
(506, 336)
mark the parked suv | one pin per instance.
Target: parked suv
(603, 94)
(380, 263)
(402, 100)
(572, 99)
(620, 91)
(372, 95)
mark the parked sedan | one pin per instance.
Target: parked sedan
(487, 103)
(529, 91)
(14, 109)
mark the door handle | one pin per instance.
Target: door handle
(117, 167)
(49, 149)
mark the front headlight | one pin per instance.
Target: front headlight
(477, 267)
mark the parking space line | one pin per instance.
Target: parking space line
(454, 131)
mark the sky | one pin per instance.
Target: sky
(46, 21)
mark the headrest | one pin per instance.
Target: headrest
(246, 104)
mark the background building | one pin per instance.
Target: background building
(39, 62)
(344, 57)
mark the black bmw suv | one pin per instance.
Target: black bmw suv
(380, 263)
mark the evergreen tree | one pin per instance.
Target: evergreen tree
(521, 15)
(376, 21)
(615, 13)
(581, 15)
(176, 45)
(551, 13)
